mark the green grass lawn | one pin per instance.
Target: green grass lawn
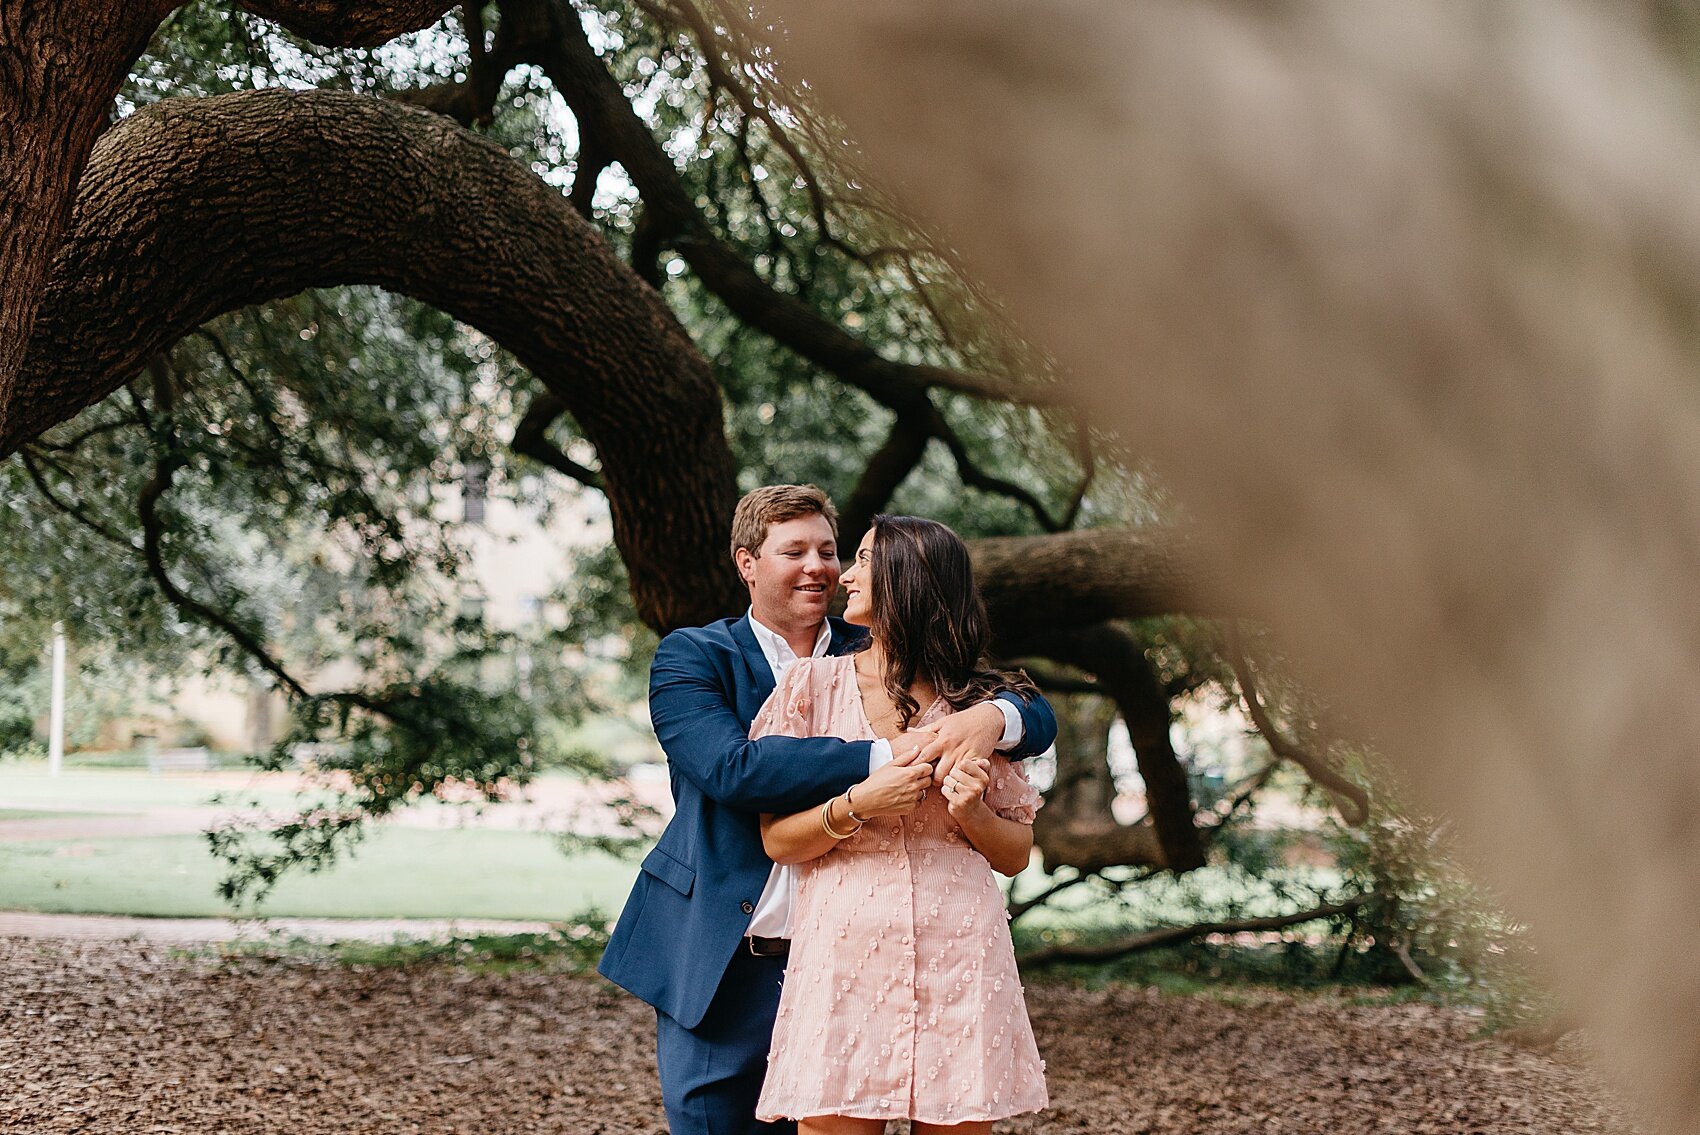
(414, 873)
(397, 873)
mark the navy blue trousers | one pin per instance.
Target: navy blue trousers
(711, 1075)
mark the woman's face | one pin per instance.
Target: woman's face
(858, 584)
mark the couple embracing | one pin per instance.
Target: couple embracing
(819, 928)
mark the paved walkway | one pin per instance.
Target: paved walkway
(191, 931)
(90, 824)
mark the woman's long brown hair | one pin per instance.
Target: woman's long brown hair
(930, 618)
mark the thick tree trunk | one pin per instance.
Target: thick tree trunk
(199, 206)
(60, 66)
(1118, 661)
(1399, 301)
(1075, 828)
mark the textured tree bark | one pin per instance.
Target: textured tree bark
(60, 66)
(350, 23)
(199, 206)
(1037, 584)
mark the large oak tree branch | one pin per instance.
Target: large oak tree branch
(350, 23)
(195, 207)
(1175, 935)
(1118, 660)
(573, 66)
(531, 439)
(199, 206)
(1351, 798)
(549, 34)
(1091, 845)
(1039, 584)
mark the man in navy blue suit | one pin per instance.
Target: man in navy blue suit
(705, 933)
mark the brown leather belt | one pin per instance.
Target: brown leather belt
(767, 947)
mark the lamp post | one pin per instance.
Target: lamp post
(56, 717)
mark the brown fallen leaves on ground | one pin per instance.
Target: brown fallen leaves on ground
(133, 1039)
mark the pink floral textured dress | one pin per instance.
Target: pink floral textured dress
(901, 995)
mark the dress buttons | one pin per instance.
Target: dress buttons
(747, 907)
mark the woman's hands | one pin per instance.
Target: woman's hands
(1006, 844)
(965, 787)
(891, 790)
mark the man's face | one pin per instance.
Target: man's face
(792, 580)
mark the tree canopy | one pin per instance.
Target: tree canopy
(305, 282)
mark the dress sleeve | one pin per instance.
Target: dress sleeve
(1011, 795)
(789, 709)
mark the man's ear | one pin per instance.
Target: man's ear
(746, 562)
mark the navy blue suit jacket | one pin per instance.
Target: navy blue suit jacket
(695, 892)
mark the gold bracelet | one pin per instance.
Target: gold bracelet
(826, 822)
(850, 806)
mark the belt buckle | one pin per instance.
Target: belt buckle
(750, 942)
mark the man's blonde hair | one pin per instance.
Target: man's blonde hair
(775, 504)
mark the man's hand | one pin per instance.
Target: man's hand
(906, 748)
(970, 735)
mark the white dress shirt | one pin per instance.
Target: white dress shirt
(772, 918)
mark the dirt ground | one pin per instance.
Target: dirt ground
(136, 1039)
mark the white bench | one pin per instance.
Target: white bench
(196, 759)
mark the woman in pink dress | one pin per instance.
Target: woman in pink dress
(901, 995)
